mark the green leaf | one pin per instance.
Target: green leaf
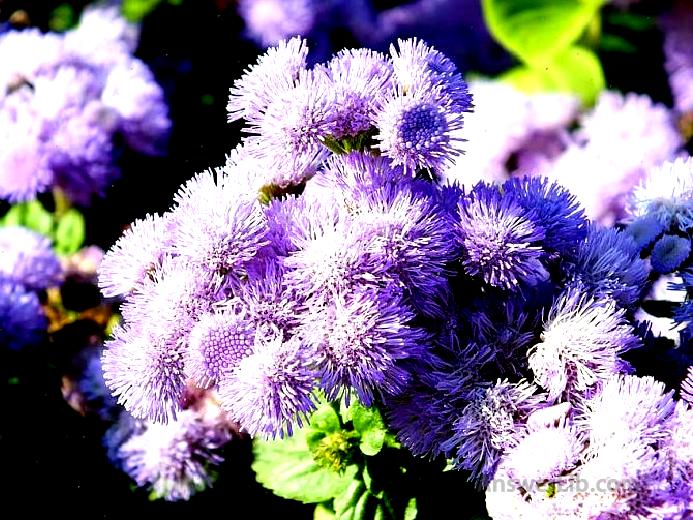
(372, 442)
(346, 504)
(31, 215)
(369, 423)
(323, 512)
(62, 18)
(287, 468)
(576, 70)
(411, 510)
(70, 232)
(325, 419)
(538, 30)
(614, 43)
(135, 10)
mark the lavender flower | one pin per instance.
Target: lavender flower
(357, 342)
(22, 322)
(64, 98)
(666, 194)
(501, 244)
(669, 252)
(417, 130)
(268, 22)
(217, 344)
(687, 387)
(645, 230)
(271, 390)
(608, 264)
(174, 460)
(27, 258)
(491, 423)
(136, 256)
(580, 345)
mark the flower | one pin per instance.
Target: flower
(489, 425)
(687, 387)
(174, 460)
(608, 264)
(357, 342)
(669, 252)
(645, 230)
(268, 22)
(666, 193)
(678, 63)
(26, 258)
(217, 344)
(22, 322)
(501, 244)
(272, 390)
(417, 130)
(580, 346)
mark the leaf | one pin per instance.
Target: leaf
(135, 10)
(287, 468)
(70, 232)
(323, 512)
(538, 30)
(369, 423)
(31, 215)
(576, 70)
(411, 510)
(345, 505)
(325, 419)
(372, 442)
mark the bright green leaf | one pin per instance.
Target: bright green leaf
(70, 232)
(31, 215)
(135, 10)
(576, 70)
(325, 419)
(346, 502)
(287, 468)
(322, 512)
(372, 441)
(411, 510)
(365, 419)
(538, 30)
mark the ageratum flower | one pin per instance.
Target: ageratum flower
(272, 390)
(678, 41)
(268, 22)
(137, 255)
(645, 230)
(686, 389)
(667, 194)
(501, 243)
(275, 71)
(669, 252)
(174, 460)
(22, 321)
(26, 258)
(417, 130)
(217, 344)
(357, 342)
(490, 424)
(360, 80)
(608, 265)
(580, 346)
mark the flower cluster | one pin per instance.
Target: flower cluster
(27, 265)
(63, 100)
(327, 260)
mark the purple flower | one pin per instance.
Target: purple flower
(272, 390)
(217, 344)
(416, 130)
(360, 81)
(174, 460)
(667, 194)
(419, 67)
(501, 243)
(27, 258)
(678, 41)
(490, 424)
(580, 345)
(136, 256)
(669, 252)
(357, 341)
(608, 264)
(275, 71)
(645, 230)
(270, 21)
(22, 322)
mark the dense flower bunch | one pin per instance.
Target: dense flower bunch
(28, 265)
(326, 259)
(63, 100)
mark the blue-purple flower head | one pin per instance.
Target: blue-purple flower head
(26, 258)
(22, 321)
(667, 195)
(356, 343)
(581, 344)
(608, 264)
(271, 391)
(501, 244)
(174, 460)
(64, 99)
(670, 252)
(268, 22)
(686, 390)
